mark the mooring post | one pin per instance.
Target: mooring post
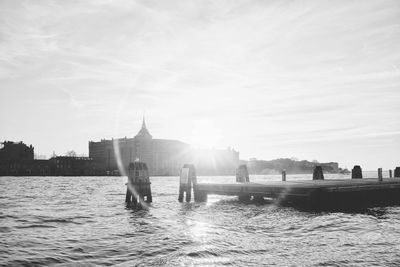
(130, 190)
(128, 194)
(138, 186)
(397, 172)
(199, 196)
(284, 175)
(183, 182)
(318, 174)
(390, 174)
(193, 182)
(380, 175)
(187, 178)
(356, 172)
(149, 197)
(242, 174)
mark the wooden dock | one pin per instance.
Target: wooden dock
(314, 194)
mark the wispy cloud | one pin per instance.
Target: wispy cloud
(267, 73)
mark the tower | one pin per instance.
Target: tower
(143, 132)
(143, 145)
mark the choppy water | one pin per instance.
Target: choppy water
(70, 220)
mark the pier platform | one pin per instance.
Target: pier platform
(315, 194)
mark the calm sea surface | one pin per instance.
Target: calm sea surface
(71, 220)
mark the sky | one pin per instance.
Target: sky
(315, 80)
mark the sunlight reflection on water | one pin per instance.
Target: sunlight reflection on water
(68, 220)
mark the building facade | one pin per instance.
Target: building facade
(163, 157)
(12, 151)
(17, 159)
(74, 166)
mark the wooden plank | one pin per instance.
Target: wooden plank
(341, 193)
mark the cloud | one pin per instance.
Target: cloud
(255, 68)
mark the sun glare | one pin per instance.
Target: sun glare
(205, 135)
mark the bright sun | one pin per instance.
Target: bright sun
(205, 134)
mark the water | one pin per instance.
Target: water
(70, 220)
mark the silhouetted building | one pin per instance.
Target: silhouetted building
(16, 159)
(112, 157)
(74, 166)
(25, 168)
(15, 151)
(290, 165)
(163, 157)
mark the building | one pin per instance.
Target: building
(11, 151)
(25, 168)
(17, 159)
(163, 157)
(291, 166)
(112, 157)
(74, 166)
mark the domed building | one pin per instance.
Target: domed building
(163, 157)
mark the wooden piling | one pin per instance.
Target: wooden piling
(138, 186)
(200, 196)
(356, 172)
(258, 199)
(380, 178)
(284, 175)
(128, 196)
(242, 174)
(244, 197)
(187, 178)
(183, 181)
(318, 173)
(397, 172)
